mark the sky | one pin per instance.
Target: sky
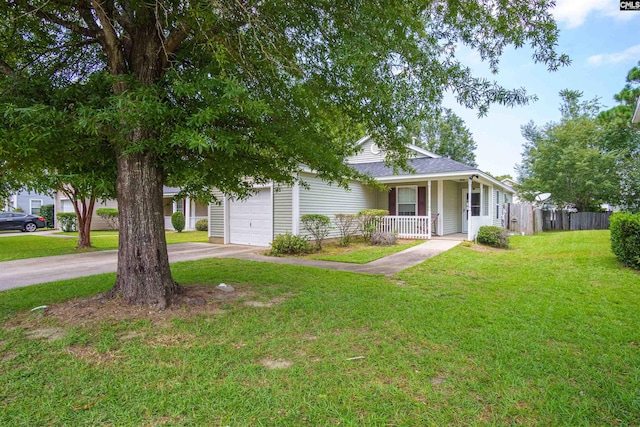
(603, 44)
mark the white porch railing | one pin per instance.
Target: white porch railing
(190, 223)
(406, 227)
(476, 223)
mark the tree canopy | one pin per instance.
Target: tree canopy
(572, 159)
(226, 95)
(446, 134)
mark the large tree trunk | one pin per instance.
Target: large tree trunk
(143, 275)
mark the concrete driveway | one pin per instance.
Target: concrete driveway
(25, 272)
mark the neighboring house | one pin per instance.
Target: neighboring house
(435, 199)
(29, 202)
(511, 183)
(192, 211)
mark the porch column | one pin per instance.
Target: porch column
(187, 213)
(441, 207)
(429, 209)
(470, 189)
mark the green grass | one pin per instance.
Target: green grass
(543, 334)
(359, 252)
(34, 246)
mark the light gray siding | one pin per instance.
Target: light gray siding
(365, 155)
(322, 198)
(98, 223)
(282, 210)
(24, 200)
(216, 216)
(452, 205)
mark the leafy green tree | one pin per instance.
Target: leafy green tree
(47, 146)
(623, 137)
(231, 94)
(447, 135)
(568, 159)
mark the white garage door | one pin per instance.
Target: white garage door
(250, 220)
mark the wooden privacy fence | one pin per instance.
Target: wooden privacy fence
(526, 218)
(519, 218)
(563, 220)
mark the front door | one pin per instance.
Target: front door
(475, 207)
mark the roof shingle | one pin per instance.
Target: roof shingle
(422, 166)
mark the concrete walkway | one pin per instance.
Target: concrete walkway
(31, 271)
(389, 265)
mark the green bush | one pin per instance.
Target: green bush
(625, 238)
(345, 224)
(177, 221)
(68, 221)
(110, 216)
(368, 221)
(46, 211)
(202, 224)
(318, 226)
(289, 244)
(491, 235)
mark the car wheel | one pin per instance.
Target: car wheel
(30, 227)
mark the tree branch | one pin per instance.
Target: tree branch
(6, 69)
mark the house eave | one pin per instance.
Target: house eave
(399, 179)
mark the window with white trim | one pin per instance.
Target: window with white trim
(497, 204)
(407, 201)
(35, 205)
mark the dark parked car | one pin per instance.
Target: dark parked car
(20, 221)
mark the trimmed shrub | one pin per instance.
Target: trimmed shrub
(68, 221)
(318, 226)
(289, 244)
(345, 223)
(491, 235)
(46, 211)
(202, 224)
(177, 221)
(368, 221)
(625, 238)
(18, 209)
(110, 216)
(383, 239)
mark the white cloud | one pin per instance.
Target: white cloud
(631, 53)
(573, 13)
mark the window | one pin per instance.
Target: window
(407, 201)
(36, 204)
(497, 204)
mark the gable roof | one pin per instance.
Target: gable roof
(413, 147)
(422, 166)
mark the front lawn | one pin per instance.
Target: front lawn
(34, 246)
(360, 252)
(543, 334)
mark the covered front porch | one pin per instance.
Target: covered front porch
(440, 206)
(192, 211)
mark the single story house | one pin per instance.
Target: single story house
(29, 201)
(440, 197)
(192, 210)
